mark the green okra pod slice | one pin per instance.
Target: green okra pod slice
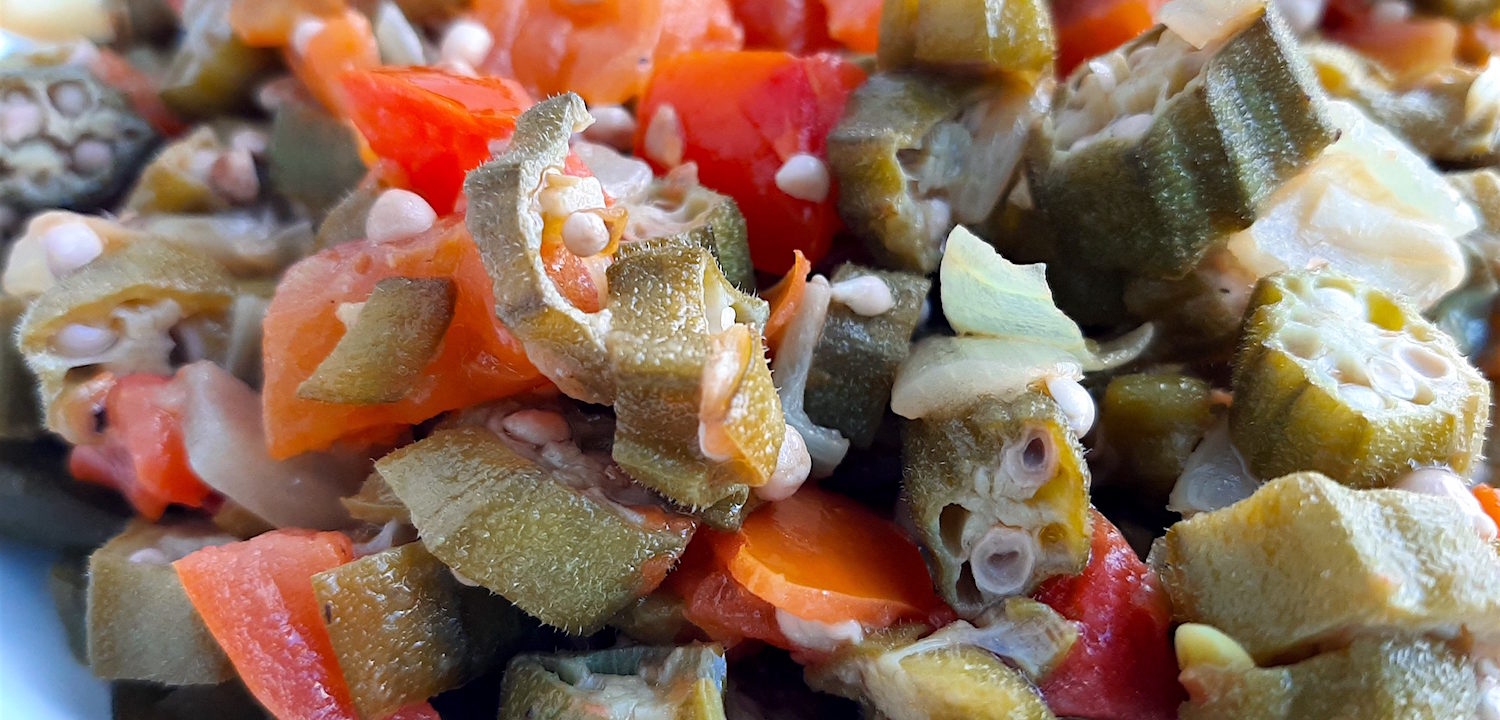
(682, 683)
(866, 335)
(1337, 377)
(1305, 561)
(511, 201)
(1376, 678)
(376, 503)
(565, 553)
(1152, 422)
(978, 37)
(1157, 151)
(19, 417)
(141, 625)
(675, 205)
(82, 146)
(312, 158)
(175, 181)
(697, 416)
(998, 495)
(392, 339)
(404, 629)
(212, 72)
(68, 584)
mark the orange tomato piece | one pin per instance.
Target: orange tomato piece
(1489, 500)
(826, 558)
(855, 23)
(1089, 29)
(602, 50)
(798, 26)
(785, 298)
(479, 359)
(256, 597)
(269, 23)
(1408, 48)
(344, 43)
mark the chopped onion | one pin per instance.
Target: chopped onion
(1204, 22)
(1213, 477)
(226, 447)
(949, 373)
(793, 360)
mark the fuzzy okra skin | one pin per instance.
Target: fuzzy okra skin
(1337, 377)
(682, 683)
(977, 37)
(19, 417)
(1371, 679)
(1304, 561)
(403, 603)
(1161, 173)
(563, 555)
(140, 623)
(671, 309)
(854, 363)
(381, 356)
(1008, 471)
(1153, 421)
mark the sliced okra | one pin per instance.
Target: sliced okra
(677, 206)
(382, 355)
(979, 37)
(683, 683)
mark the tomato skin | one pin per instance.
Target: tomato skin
(143, 455)
(797, 26)
(434, 125)
(1123, 666)
(479, 359)
(766, 107)
(256, 597)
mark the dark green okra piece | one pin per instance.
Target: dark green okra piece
(19, 417)
(998, 495)
(1461, 10)
(141, 625)
(568, 556)
(1157, 151)
(1335, 376)
(312, 158)
(854, 363)
(1152, 422)
(381, 357)
(682, 683)
(404, 629)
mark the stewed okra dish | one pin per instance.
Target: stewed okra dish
(757, 359)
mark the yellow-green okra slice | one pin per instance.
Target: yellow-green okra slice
(1158, 150)
(1337, 377)
(866, 335)
(404, 629)
(1403, 678)
(975, 37)
(676, 206)
(1152, 421)
(212, 72)
(697, 416)
(680, 683)
(1306, 561)
(998, 495)
(140, 623)
(19, 417)
(557, 548)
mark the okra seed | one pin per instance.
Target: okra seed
(585, 234)
(398, 214)
(664, 142)
(1390, 378)
(19, 118)
(1424, 362)
(70, 98)
(793, 465)
(1339, 302)
(303, 33)
(537, 427)
(804, 177)
(81, 341)
(233, 175)
(70, 246)
(1302, 341)
(250, 140)
(466, 41)
(726, 317)
(1076, 403)
(866, 295)
(92, 156)
(1002, 561)
(1359, 397)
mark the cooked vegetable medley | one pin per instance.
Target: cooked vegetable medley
(758, 359)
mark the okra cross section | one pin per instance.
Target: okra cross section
(1337, 377)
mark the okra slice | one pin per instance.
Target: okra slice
(1306, 561)
(312, 158)
(510, 199)
(676, 206)
(376, 503)
(697, 417)
(1374, 678)
(175, 180)
(404, 629)
(998, 495)
(1152, 422)
(393, 337)
(915, 154)
(1337, 377)
(683, 683)
(68, 584)
(866, 335)
(140, 623)
(898, 674)
(112, 315)
(1158, 150)
(569, 556)
(1450, 115)
(212, 72)
(75, 141)
(978, 37)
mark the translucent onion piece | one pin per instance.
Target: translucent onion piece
(945, 372)
(825, 446)
(1213, 477)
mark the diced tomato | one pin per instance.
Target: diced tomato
(715, 602)
(1123, 666)
(743, 115)
(797, 26)
(785, 298)
(269, 23)
(140, 89)
(143, 455)
(1089, 28)
(602, 50)
(1489, 500)
(343, 43)
(1406, 47)
(855, 23)
(479, 361)
(436, 126)
(416, 712)
(256, 597)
